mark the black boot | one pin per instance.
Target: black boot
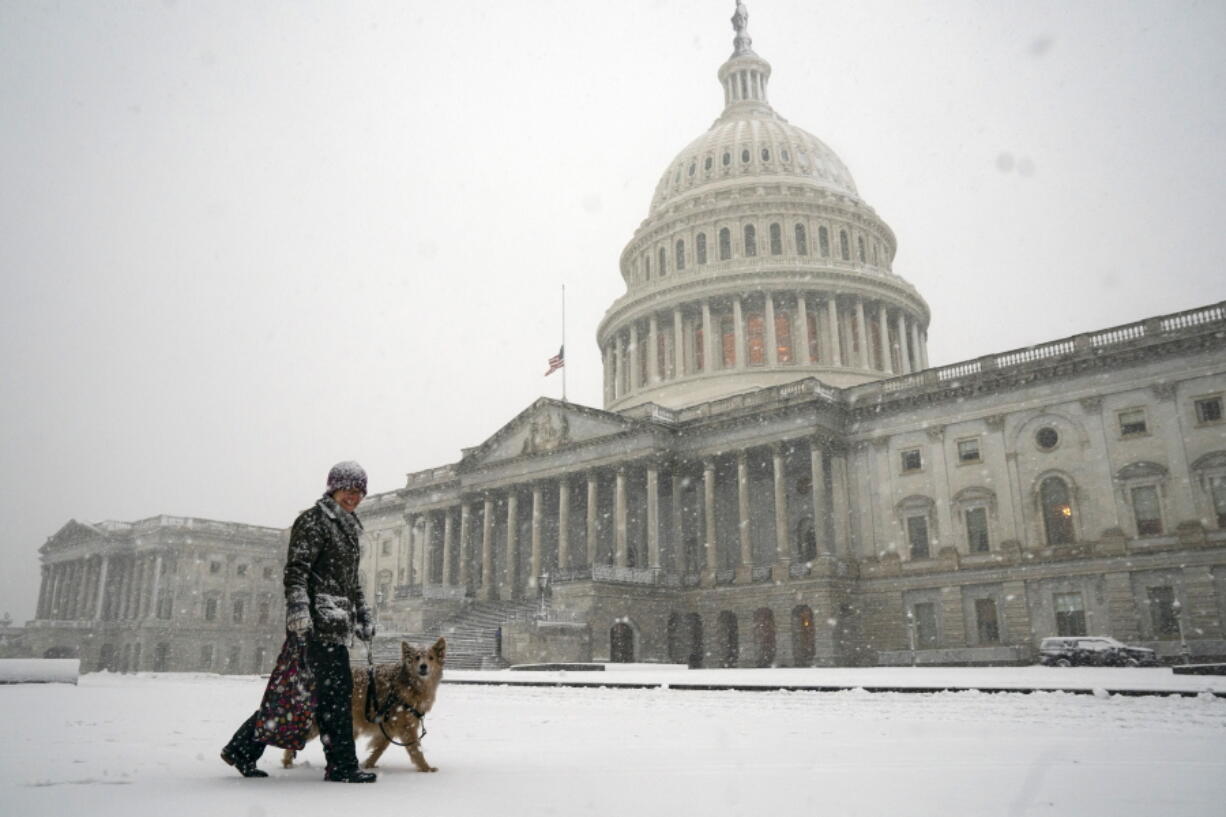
(245, 767)
(354, 775)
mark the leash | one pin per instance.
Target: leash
(377, 714)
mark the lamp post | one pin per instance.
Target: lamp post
(911, 634)
(1184, 652)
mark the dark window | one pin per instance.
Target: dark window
(844, 247)
(210, 609)
(241, 570)
(238, 611)
(1162, 611)
(925, 616)
(912, 460)
(214, 567)
(1217, 489)
(776, 240)
(727, 158)
(860, 241)
(692, 167)
(823, 241)
(802, 240)
(745, 155)
(700, 248)
(784, 154)
(1047, 438)
(663, 262)
(1057, 512)
(727, 334)
(977, 530)
(917, 535)
(725, 244)
(699, 362)
(706, 165)
(165, 605)
(1070, 614)
(987, 622)
(1132, 422)
(755, 337)
(268, 572)
(265, 612)
(783, 336)
(680, 256)
(206, 657)
(1209, 410)
(1145, 508)
(751, 241)
(968, 450)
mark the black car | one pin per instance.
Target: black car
(1093, 651)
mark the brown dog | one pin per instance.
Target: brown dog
(406, 690)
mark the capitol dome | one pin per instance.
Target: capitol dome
(758, 264)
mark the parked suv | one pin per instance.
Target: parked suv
(1093, 651)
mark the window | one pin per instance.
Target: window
(1145, 508)
(860, 241)
(968, 450)
(986, 621)
(844, 247)
(811, 325)
(1057, 514)
(727, 334)
(725, 244)
(783, 336)
(680, 259)
(823, 241)
(1162, 615)
(755, 337)
(776, 240)
(238, 611)
(210, 609)
(924, 616)
(232, 659)
(766, 154)
(700, 248)
(1047, 438)
(1132, 422)
(214, 567)
(727, 158)
(165, 604)
(917, 536)
(647, 267)
(745, 155)
(699, 350)
(1217, 492)
(206, 657)
(663, 263)
(1209, 410)
(977, 530)
(385, 549)
(802, 240)
(751, 241)
(1070, 614)
(912, 460)
(241, 570)
(265, 612)
(268, 573)
(690, 172)
(706, 163)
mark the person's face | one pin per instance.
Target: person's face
(348, 499)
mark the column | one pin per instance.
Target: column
(40, 611)
(427, 549)
(836, 347)
(861, 333)
(772, 341)
(678, 345)
(157, 583)
(708, 506)
(802, 331)
(883, 333)
(744, 571)
(106, 561)
(125, 588)
(564, 523)
(782, 556)
(593, 500)
(487, 549)
(466, 544)
(738, 331)
(78, 601)
(708, 358)
(817, 475)
(653, 350)
(653, 517)
(618, 366)
(916, 347)
(535, 569)
(621, 558)
(678, 522)
(607, 360)
(838, 476)
(635, 367)
(448, 546)
(904, 353)
(923, 348)
(509, 574)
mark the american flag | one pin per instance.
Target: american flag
(557, 361)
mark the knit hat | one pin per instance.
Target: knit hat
(346, 476)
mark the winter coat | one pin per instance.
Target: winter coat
(321, 571)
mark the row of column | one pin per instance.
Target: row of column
(851, 332)
(100, 588)
(460, 538)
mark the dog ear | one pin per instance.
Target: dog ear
(440, 648)
(406, 650)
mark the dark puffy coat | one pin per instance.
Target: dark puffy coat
(321, 572)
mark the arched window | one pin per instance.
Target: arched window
(764, 636)
(700, 248)
(745, 156)
(863, 258)
(776, 240)
(823, 241)
(729, 643)
(727, 158)
(804, 641)
(680, 256)
(725, 244)
(802, 241)
(663, 262)
(844, 246)
(751, 241)
(1057, 511)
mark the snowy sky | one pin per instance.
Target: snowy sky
(244, 240)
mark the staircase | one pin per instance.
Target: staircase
(472, 640)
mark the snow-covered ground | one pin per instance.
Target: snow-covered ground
(147, 745)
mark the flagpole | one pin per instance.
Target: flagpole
(563, 342)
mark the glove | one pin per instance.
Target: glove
(364, 628)
(298, 622)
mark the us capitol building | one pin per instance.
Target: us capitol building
(777, 475)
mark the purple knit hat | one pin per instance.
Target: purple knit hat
(346, 476)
